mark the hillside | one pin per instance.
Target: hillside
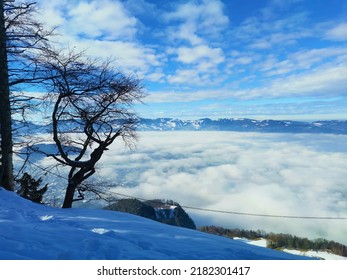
(34, 231)
(320, 248)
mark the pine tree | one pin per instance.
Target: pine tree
(29, 188)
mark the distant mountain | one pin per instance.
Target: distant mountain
(206, 124)
(243, 125)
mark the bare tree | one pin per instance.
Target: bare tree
(92, 106)
(21, 37)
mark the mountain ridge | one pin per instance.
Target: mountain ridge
(243, 125)
(207, 124)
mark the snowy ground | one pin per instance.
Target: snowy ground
(33, 231)
(317, 254)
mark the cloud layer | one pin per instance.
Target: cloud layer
(271, 174)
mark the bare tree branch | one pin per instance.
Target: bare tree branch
(96, 100)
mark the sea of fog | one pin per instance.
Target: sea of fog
(299, 175)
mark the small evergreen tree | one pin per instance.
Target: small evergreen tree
(29, 188)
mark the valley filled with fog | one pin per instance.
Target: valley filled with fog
(297, 175)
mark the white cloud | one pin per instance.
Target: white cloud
(261, 44)
(156, 76)
(274, 174)
(201, 66)
(198, 19)
(142, 7)
(328, 81)
(270, 32)
(92, 19)
(268, 41)
(307, 58)
(187, 31)
(200, 53)
(202, 75)
(312, 59)
(52, 12)
(244, 60)
(103, 18)
(130, 56)
(186, 95)
(103, 28)
(338, 33)
(184, 76)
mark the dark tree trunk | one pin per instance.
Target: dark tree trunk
(6, 172)
(74, 183)
(69, 195)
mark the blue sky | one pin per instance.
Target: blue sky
(279, 59)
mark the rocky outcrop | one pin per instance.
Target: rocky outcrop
(164, 211)
(133, 206)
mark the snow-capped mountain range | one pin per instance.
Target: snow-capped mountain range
(206, 124)
(244, 125)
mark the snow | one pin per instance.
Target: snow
(314, 254)
(34, 231)
(197, 124)
(171, 124)
(317, 124)
(259, 242)
(161, 212)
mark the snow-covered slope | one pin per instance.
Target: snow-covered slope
(310, 253)
(33, 231)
